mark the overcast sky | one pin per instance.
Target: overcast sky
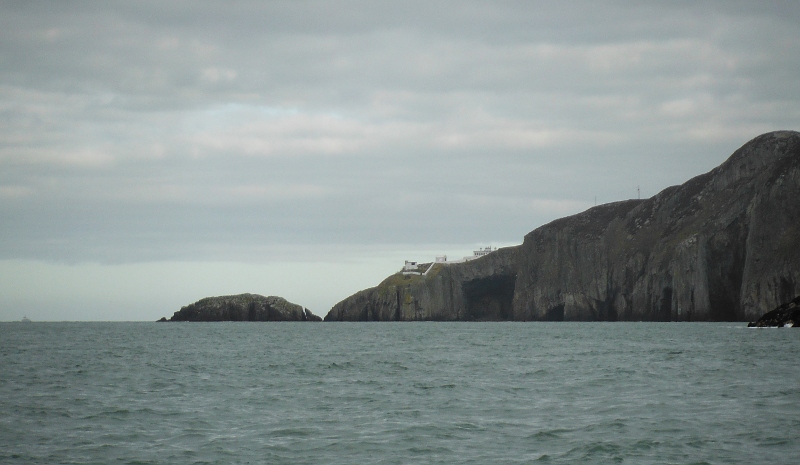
(154, 153)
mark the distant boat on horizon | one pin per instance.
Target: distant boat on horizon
(25, 319)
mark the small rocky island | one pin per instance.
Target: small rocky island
(787, 315)
(243, 307)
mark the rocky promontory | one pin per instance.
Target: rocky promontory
(787, 315)
(243, 307)
(720, 247)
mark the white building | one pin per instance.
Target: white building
(483, 251)
(413, 267)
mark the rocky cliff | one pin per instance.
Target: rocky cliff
(479, 290)
(243, 307)
(722, 246)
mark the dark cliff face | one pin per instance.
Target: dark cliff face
(244, 307)
(722, 246)
(718, 247)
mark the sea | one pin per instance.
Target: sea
(398, 393)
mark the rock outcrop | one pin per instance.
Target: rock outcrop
(243, 307)
(722, 246)
(787, 315)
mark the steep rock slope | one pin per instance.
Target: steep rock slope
(722, 246)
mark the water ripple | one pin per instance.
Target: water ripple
(397, 393)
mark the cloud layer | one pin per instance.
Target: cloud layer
(146, 131)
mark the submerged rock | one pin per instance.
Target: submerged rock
(243, 307)
(787, 315)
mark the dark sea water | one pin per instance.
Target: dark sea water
(397, 393)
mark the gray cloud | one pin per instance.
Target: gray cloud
(166, 131)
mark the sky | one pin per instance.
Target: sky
(154, 153)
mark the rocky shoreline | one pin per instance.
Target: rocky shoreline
(785, 316)
(720, 247)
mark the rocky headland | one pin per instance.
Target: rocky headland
(243, 307)
(721, 247)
